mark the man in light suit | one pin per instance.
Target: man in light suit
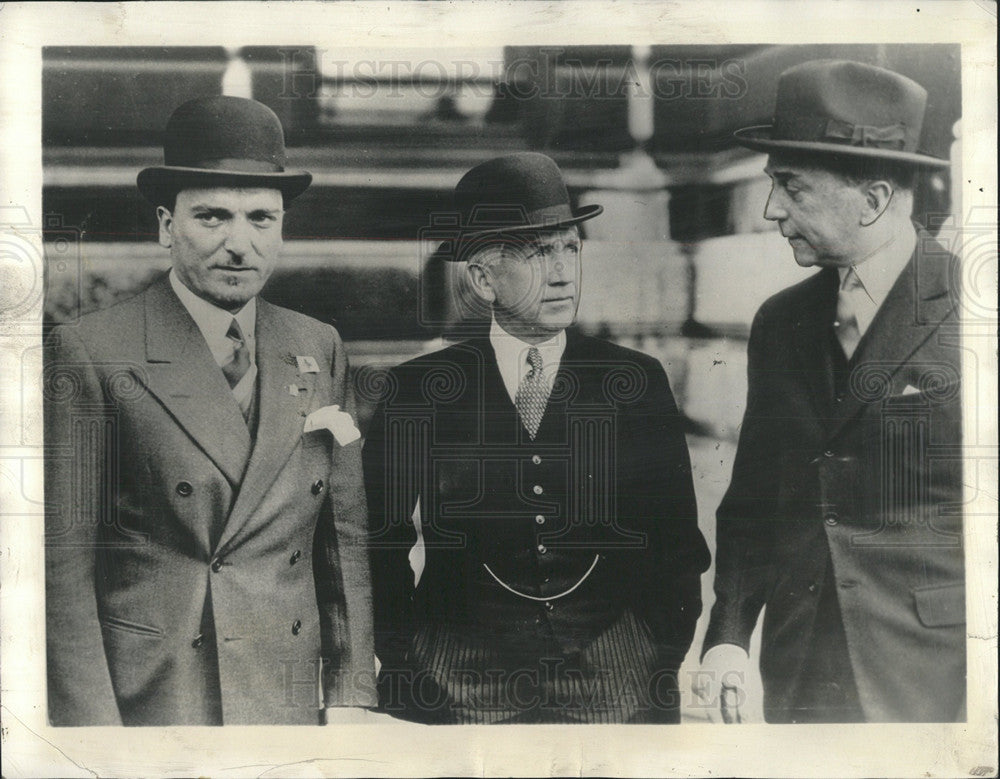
(843, 517)
(205, 560)
(548, 475)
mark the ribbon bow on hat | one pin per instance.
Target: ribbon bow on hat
(846, 108)
(891, 137)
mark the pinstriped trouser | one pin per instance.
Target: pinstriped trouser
(456, 678)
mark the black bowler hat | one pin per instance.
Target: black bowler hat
(222, 142)
(517, 193)
(847, 108)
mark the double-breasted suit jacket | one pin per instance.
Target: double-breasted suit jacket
(845, 502)
(534, 549)
(198, 569)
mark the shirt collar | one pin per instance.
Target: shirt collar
(879, 270)
(213, 321)
(512, 355)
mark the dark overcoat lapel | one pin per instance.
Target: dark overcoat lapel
(916, 306)
(811, 332)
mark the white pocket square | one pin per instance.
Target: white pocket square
(336, 421)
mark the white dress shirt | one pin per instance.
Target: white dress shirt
(512, 357)
(877, 274)
(214, 323)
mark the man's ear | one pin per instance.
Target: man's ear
(481, 282)
(166, 219)
(878, 195)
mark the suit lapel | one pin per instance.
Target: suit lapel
(811, 335)
(182, 374)
(913, 310)
(281, 414)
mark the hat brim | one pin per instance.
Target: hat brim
(582, 215)
(457, 250)
(759, 138)
(156, 181)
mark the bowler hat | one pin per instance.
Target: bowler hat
(222, 141)
(512, 194)
(847, 108)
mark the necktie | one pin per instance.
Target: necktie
(846, 324)
(239, 364)
(532, 394)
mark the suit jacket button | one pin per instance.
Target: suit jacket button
(296, 627)
(317, 487)
(542, 549)
(184, 488)
(537, 489)
(540, 519)
(199, 640)
(217, 564)
(828, 453)
(296, 555)
(536, 459)
(830, 518)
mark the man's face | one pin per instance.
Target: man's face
(817, 211)
(224, 243)
(536, 286)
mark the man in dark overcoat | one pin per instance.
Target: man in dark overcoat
(843, 519)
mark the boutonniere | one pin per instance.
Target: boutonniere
(336, 421)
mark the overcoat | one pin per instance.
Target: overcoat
(534, 549)
(198, 570)
(851, 497)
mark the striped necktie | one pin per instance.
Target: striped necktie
(239, 364)
(532, 394)
(846, 325)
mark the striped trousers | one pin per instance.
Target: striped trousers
(454, 678)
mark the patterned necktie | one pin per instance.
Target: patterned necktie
(846, 325)
(532, 394)
(239, 364)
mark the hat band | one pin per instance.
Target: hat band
(891, 137)
(235, 165)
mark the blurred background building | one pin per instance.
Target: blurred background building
(676, 266)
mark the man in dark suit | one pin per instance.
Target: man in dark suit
(549, 478)
(205, 559)
(843, 516)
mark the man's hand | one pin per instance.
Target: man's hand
(727, 687)
(355, 715)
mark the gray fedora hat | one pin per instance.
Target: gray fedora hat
(222, 141)
(847, 108)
